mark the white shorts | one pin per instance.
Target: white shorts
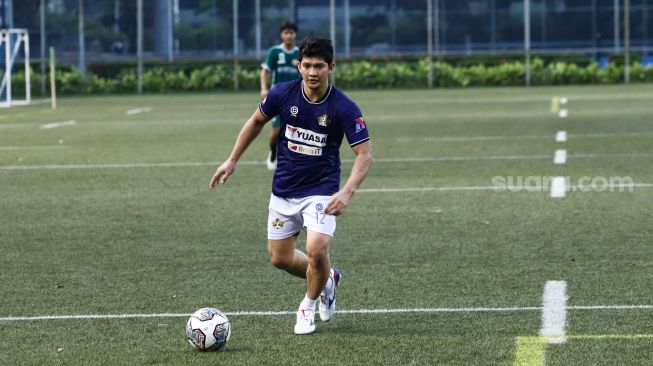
(289, 216)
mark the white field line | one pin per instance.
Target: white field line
(437, 189)
(523, 188)
(58, 124)
(457, 158)
(17, 125)
(255, 162)
(563, 135)
(514, 309)
(610, 307)
(521, 99)
(274, 313)
(554, 311)
(471, 138)
(135, 111)
(558, 189)
(16, 148)
(616, 155)
(615, 134)
(560, 157)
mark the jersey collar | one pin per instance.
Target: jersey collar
(284, 49)
(320, 101)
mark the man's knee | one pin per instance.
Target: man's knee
(318, 256)
(317, 249)
(278, 260)
(282, 252)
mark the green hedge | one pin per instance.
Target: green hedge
(354, 75)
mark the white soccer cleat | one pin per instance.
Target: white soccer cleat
(305, 321)
(272, 165)
(328, 297)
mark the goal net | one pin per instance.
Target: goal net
(14, 46)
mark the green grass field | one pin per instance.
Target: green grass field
(112, 215)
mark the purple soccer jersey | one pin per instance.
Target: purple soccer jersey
(308, 151)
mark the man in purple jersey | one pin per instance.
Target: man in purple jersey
(306, 193)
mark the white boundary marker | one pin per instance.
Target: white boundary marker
(563, 113)
(58, 124)
(561, 136)
(554, 312)
(134, 111)
(560, 157)
(558, 187)
(514, 309)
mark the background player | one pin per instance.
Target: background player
(281, 62)
(306, 193)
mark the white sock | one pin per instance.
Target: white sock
(308, 304)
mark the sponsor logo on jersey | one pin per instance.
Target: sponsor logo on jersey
(323, 120)
(360, 124)
(306, 136)
(294, 110)
(305, 150)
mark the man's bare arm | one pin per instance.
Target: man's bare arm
(264, 82)
(340, 200)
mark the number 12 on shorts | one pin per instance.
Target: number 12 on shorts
(319, 218)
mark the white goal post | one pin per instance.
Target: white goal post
(12, 42)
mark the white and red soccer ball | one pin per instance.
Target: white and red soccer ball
(208, 329)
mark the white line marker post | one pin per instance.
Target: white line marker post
(563, 113)
(58, 124)
(561, 136)
(560, 157)
(554, 312)
(558, 187)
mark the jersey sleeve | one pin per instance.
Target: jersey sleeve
(270, 61)
(271, 105)
(354, 126)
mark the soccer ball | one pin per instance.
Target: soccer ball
(208, 329)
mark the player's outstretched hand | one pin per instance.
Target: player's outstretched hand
(222, 174)
(339, 202)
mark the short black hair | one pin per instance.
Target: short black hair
(316, 47)
(288, 25)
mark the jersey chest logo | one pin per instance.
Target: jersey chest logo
(282, 58)
(304, 150)
(323, 120)
(305, 136)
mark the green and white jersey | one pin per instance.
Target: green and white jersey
(280, 63)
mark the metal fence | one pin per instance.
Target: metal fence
(183, 29)
(84, 31)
